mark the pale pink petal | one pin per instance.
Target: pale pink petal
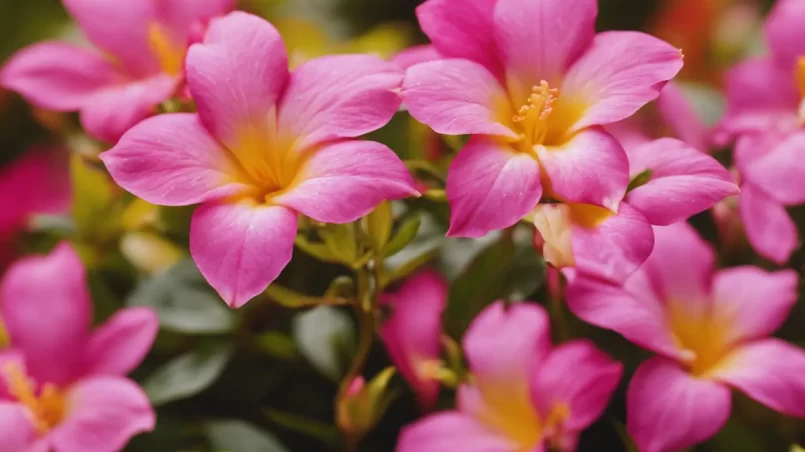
(750, 147)
(754, 302)
(55, 284)
(57, 76)
(553, 232)
(10, 356)
(240, 247)
(236, 77)
(181, 17)
(781, 172)
(343, 181)
(769, 228)
(539, 40)
(462, 31)
(172, 160)
(118, 346)
(105, 413)
(490, 186)
(621, 72)
(630, 132)
(769, 371)
(451, 431)
(684, 181)
(17, 431)
(590, 168)
(668, 409)
(339, 96)
(412, 334)
(783, 30)
(676, 109)
(415, 55)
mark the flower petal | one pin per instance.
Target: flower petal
(781, 172)
(769, 228)
(240, 248)
(180, 17)
(684, 181)
(490, 186)
(343, 181)
(415, 55)
(668, 409)
(678, 112)
(769, 371)
(339, 96)
(451, 431)
(120, 344)
(17, 431)
(105, 413)
(621, 72)
(783, 30)
(172, 160)
(590, 168)
(457, 97)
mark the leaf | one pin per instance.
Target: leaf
(238, 436)
(341, 241)
(292, 299)
(186, 375)
(409, 267)
(184, 301)
(628, 443)
(379, 223)
(325, 433)
(92, 194)
(324, 336)
(406, 233)
(639, 180)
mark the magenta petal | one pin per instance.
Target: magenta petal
(240, 248)
(769, 371)
(678, 112)
(457, 97)
(769, 228)
(118, 346)
(343, 181)
(451, 430)
(781, 172)
(17, 431)
(490, 186)
(684, 181)
(621, 72)
(181, 17)
(415, 55)
(172, 160)
(668, 409)
(339, 96)
(783, 30)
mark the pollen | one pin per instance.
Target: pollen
(48, 406)
(533, 116)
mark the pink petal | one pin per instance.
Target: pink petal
(754, 301)
(521, 28)
(240, 248)
(172, 160)
(55, 284)
(412, 334)
(236, 77)
(490, 186)
(462, 31)
(451, 431)
(668, 409)
(590, 168)
(678, 112)
(457, 97)
(630, 132)
(57, 76)
(17, 432)
(783, 30)
(621, 72)
(769, 371)
(781, 172)
(769, 228)
(684, 181)
(415, 55)
(345, 180)
(105, 413)
(118, 346)
(10, 356)
(180, 17)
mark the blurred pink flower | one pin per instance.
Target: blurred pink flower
(412, 333)
(711, 331)
(265, 146)
(524, 393)
(62, 386)
(138, 63)
(533, 106)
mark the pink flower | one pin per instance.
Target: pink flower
(141, 46)
(534, 105)
(265, 146)
(62, 386)
(412, 333)
(711, 330)
(524, 393)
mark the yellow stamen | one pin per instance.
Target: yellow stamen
(48, 407)
(702, 337)
(5, 338)
(533, 116)
(799, 75)
(169, 54)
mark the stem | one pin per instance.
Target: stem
(557, 306)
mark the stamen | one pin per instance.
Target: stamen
(533, 116)
(799, 75)
(48, 408)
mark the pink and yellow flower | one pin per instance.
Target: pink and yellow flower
(524, 393)
(266, 145)
(711, 331)
(138, 64)
(532, 83)
(62, 386)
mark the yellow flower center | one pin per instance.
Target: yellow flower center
(532, 117)
(702, 337)
(169, 53)
(5, 338)
(48, 407)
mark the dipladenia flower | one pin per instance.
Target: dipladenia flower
(63, 385)
(524, 394)
(137, 64)
(711, 331)
(412, 332)
(265, 146)
(532, 82)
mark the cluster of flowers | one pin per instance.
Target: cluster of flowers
(543, 98)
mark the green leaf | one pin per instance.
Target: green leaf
(325, 433)
(639, 180)
(628, 443)
(341, 241)
(294, 300)
(238, 436)
(406, 233)
(184, 301)
(325, 336)
(408, 267)
(379, 223)
(186, 375)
